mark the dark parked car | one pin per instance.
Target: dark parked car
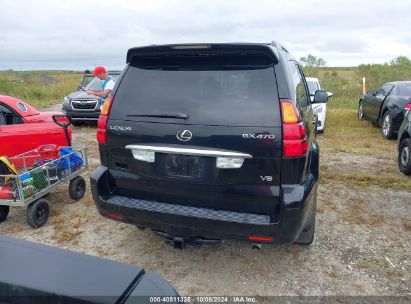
(208, 142)
(404, 143)
(82, 107)
(385, 107)
(34, 273)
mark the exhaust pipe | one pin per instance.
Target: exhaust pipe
(256, 246)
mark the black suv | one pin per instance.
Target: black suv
(208, 142)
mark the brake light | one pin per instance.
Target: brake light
(101, 129)
(114, 216)
(102, 120)
(408, 107)
(294, 134)
(260, 238)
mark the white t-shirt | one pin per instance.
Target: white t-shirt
(109, 85)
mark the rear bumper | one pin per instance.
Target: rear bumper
(196, 223)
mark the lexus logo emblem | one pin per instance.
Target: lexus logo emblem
(184, 135)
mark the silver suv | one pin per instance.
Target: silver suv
(80, 106)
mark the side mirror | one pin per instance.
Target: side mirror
(320, 96)
(329, 94)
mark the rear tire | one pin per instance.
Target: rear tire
(307, 235)
(4, 212)
(38, 213)
(386, 126)
(404, 156)
(77, 188)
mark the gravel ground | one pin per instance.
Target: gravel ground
(362, 243)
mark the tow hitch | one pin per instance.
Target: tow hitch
(181, 243)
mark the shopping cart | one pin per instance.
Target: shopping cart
(35, 174)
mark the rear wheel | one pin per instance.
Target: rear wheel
(307, 235)
(38, 213)
(404, 156)
(361, 110)
(4, 212)
(77, 188)
(386, 126)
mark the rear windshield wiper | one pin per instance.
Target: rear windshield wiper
(162, 115)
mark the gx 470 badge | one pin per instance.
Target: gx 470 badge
(259, 136)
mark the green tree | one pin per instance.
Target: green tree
(377, 74)
(401, 60)
(312, 61)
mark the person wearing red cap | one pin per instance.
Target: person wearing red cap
(107, 85)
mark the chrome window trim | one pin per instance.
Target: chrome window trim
(189, 151)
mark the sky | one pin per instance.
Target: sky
(75, 35)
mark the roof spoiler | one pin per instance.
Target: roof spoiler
(202, 49)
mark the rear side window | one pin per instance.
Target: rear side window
(298, 85)
(385, 89)
(404, 90)
(208, 94)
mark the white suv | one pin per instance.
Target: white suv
(321, 108)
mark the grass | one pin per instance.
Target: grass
(39, 88)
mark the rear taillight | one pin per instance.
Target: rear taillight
(260, 238)
(408, 107)
(102, 129)
(294, 134)
(102, 121)
(114, 216)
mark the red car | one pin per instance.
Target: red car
(23, 128)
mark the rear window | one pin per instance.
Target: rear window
(209, 92)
